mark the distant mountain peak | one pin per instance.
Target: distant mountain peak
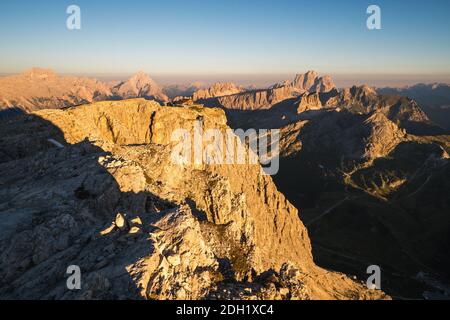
(40, 73)
(364, 89)
(40, 88)
(140, 85)
(311, 82)
(141, 75)
(141, 78)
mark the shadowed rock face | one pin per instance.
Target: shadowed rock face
(107, 197)
(433, 98)
(369, 176)
(402, 110)
(252, 100)
(310, 92)
(309, 102)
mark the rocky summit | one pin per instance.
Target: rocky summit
(89, 180)
(94, 186)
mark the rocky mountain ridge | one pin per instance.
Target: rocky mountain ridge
(42, 89)
(309, 92)
(267, 98)
(357, 158)
(369, 162)
(39, 88)
(95, 186)
(433, 98)
(217, 90)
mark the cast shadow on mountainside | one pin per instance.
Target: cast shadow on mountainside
(280, 114)
(10, 113)
(433, 98)
(55, 201)
(392, 213)
(351, 226)
(418, 128)
(64, 204)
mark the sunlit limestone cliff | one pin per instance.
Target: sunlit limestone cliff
(95, 186)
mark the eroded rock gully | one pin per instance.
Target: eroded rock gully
(139, 226)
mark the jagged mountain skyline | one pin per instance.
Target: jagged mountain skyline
(258, 80)
(40, 88)
(224, 150)
(242, 38)
(357, 153)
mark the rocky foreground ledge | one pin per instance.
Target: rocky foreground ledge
(94, 186)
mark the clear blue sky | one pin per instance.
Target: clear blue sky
(229, 36)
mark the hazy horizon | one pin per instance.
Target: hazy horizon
(194, 40)
(263, 80)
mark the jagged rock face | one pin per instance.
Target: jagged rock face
(326, 84)
(384, 136)
(306, 81)
(309, 102)
(367, 186)
(217, 90)
(278, 93)
(311, 82)
(433, 98)
(344, 137)
(355, 165)
(362, 100)
(140, 85)
(363, 94)
(104, 194)
(401, 110)
(254, 100)
(409, 112)
(309, 92)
